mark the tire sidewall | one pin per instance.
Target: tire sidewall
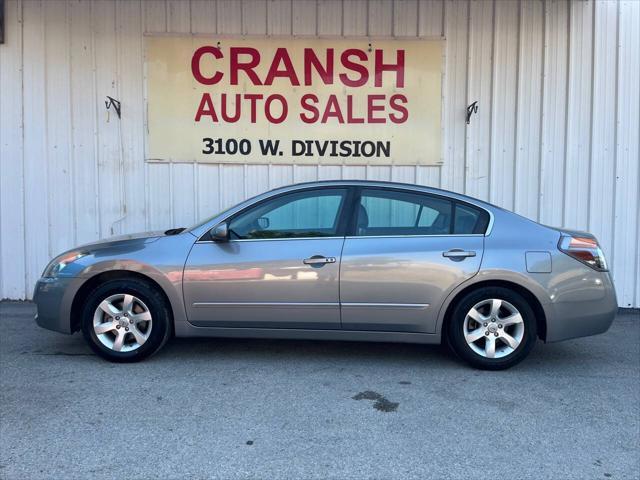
(156, 304)
(456, 331)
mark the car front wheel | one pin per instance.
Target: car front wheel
(492, 328)
(126, 320)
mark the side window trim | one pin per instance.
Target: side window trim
(348, 211)
(348, 215)
(352, 220)
(339, 222)
(351, 231)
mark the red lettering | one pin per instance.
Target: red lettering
(236, 115)
(206, 108)
(396, 102)
(312, 60)
(253, 97)
(332, 110)
(397, 67)
(195, 65)
(350, 117)
(267, 108)
(305, 103)
(247, 67)
(282, 56)
(372, 108)
(355, 67)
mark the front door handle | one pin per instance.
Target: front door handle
(319, 260)
(458, 253)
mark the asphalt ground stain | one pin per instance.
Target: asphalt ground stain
(381, 403)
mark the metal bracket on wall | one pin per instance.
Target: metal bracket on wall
(471, 109)
(112, 102)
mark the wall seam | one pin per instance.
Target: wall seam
(145, 169)
(492, 101)
(541, 143)
(46, 126)
(615, 139)
(72, 156)
(121, 163)
(516, 136)
(27, 292)
(467, 86)
(592, 107)
(96, 152)
(567, 108)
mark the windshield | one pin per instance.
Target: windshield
(208, 219)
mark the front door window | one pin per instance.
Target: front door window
(308, 214)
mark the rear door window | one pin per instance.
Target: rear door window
(469, 220)
(393, 213)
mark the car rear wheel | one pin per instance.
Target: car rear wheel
(492, 328)
(126, 320)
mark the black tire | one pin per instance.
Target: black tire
(154, 300)
(456, 334)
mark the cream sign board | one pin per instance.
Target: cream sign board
(293, 100)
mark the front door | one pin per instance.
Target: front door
(407, 252)
(279, 269)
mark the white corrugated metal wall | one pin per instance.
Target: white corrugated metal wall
(556, 136)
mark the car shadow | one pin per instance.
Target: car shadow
(357, 353)
(201, 351)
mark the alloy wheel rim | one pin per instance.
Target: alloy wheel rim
(122, 322)
(493, 328)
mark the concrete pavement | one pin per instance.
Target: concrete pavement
(218, 408)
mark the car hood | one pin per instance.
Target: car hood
(143, 237)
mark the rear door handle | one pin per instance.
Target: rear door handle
(319, 260)
(458, 253)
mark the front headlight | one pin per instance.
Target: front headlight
(58, 264)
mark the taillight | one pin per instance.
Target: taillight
(585, 250)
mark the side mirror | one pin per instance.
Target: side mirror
(220, 233)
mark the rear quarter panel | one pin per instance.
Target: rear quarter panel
(577, 300)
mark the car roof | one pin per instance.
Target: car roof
(386, 184)
(200, 228)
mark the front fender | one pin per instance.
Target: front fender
(162, 261)
(170, 281)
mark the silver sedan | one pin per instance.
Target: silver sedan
(337, 260)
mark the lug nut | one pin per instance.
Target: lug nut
(126, 314)
(118, 327)
(485, 324)
(486, 333)
(496, 334)
(127, 329)
(130, 320)
(117, 318)
(500, 325)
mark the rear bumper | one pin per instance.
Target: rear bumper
(581, 312)
(53, 298)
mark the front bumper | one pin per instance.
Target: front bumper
(53, 298)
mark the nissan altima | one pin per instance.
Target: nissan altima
(337, 260)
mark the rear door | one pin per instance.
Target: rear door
(406, 251)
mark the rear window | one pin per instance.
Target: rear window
(469, 220)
